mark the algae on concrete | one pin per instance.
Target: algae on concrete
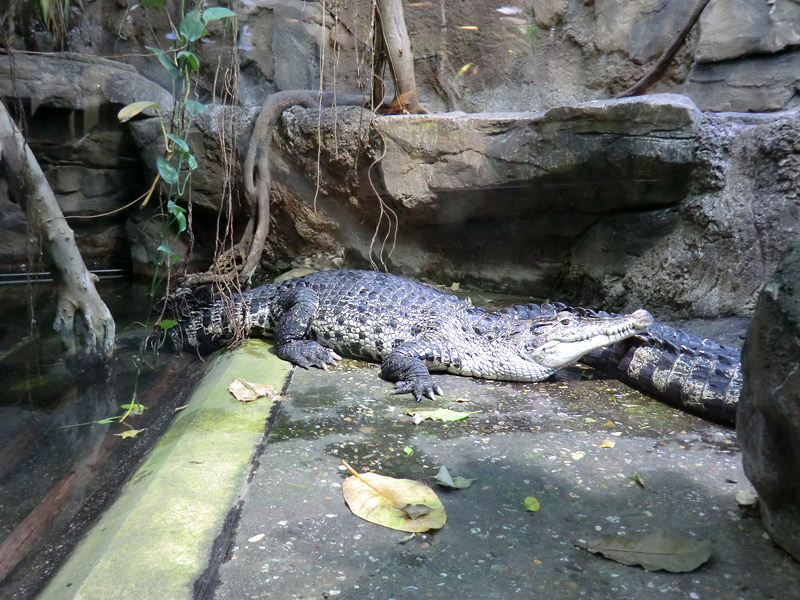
(156, 539)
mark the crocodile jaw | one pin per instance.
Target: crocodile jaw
(568, 341)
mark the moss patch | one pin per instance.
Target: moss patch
(156, 538)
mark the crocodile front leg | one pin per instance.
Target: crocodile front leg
(405, 367)
(297, 309)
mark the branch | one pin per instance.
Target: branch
(654, 72)
(401, 59)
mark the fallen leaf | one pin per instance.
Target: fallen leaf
(748, 503)
(438, 414)
(638, 480)
(444, 478)
(531, 504)
(577, 455)
(130, 111)
(607, 444)
(394, 503)
(408, 450)
(246, 392)
(256, 538)
(415, 511)
(654, 551)
(131, 433)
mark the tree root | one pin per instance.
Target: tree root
(654, 72)
(238, 264)
(83, 321)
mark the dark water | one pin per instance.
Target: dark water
(60, 464)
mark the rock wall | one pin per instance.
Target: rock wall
(656, 201)
(70, 104)
(474, 55)
(645, 201)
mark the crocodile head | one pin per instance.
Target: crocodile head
(563, 339)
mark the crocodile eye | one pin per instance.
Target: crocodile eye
(565, 321)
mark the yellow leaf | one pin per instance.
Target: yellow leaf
(246, 391)
(401, 504)
(438, 414)
(127, 113)
(469, 27)
(130, 433)
(607, 444)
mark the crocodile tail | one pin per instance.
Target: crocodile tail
(688, 372)
(685, 371)
(223, 322)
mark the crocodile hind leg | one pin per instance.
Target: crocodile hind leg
(405, 367)
(297, 309)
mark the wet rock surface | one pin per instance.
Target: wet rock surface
(573, 443)
(769, 410)
(614, 204)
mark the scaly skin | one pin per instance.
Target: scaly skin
(683, 370)
(411, 328)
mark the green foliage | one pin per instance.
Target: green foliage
(176, 166)
(180, 63)
(194, 108)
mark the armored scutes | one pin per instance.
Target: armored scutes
(409, 327)
(691, 373)
(413, 329)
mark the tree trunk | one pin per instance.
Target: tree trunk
(93, 331)
(401, 60)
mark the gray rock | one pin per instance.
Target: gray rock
(643, 201)
(76, 81)
(760, 83)
(737, 28)
(768, 422)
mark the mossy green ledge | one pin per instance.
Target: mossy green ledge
(156, 539)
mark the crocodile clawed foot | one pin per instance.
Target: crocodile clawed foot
(419, 387)
(307, 354)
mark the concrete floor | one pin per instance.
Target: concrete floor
(546, 440)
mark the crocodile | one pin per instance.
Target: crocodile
(409, 327)
(688, 372)
(413, 329)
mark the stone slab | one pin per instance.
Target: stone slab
(296, 538)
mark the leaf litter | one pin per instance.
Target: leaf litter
(444, 479)
(656, 551)
(401, 504)
(246, 391)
